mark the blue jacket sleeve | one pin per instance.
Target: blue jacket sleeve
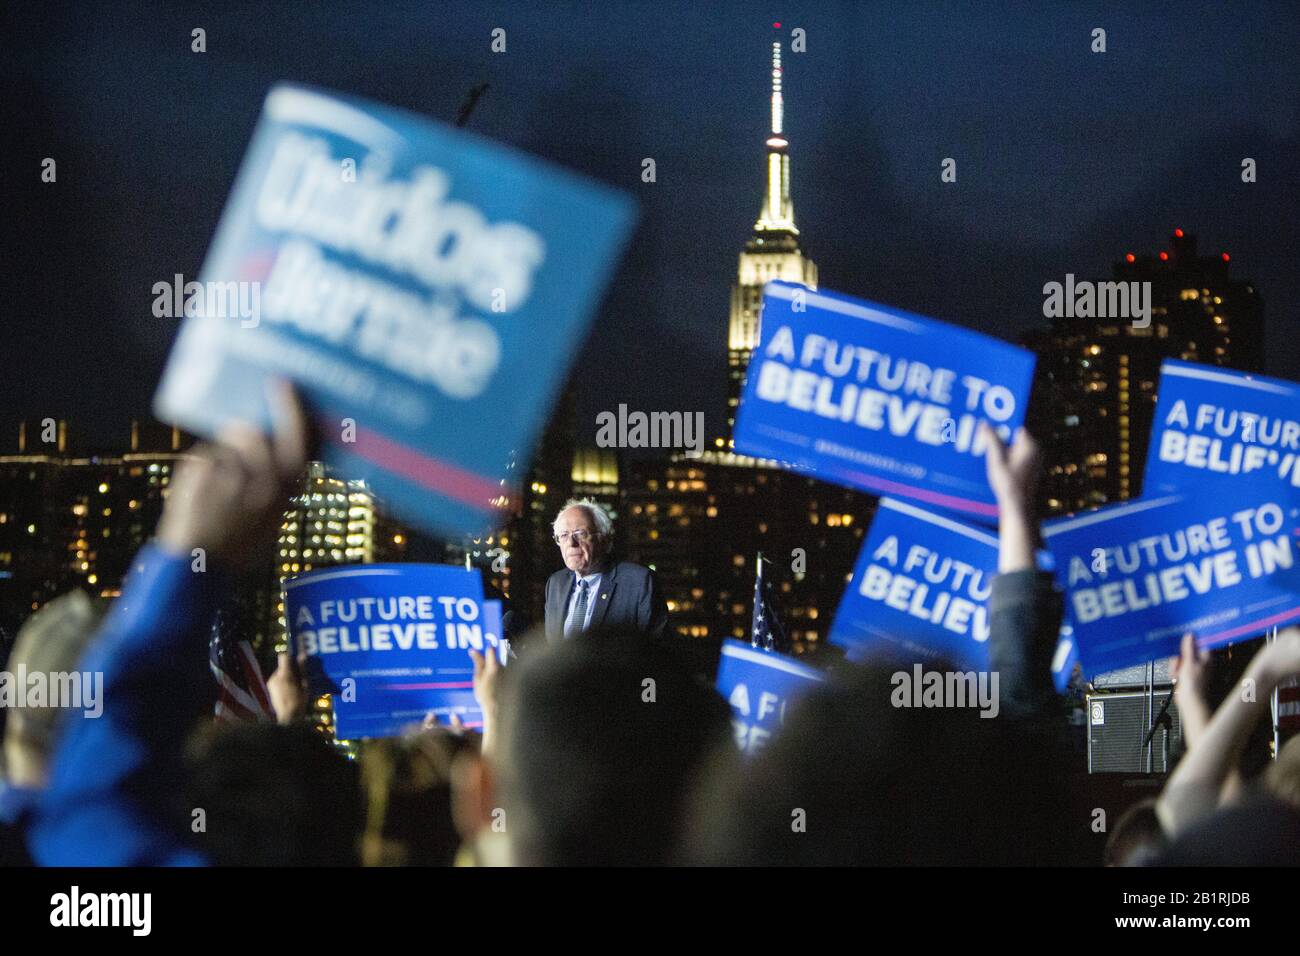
(115, 778)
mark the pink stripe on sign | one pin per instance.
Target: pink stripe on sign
(464, 486)
(1256, 626)
(450, 685)
(932, 497)
(257, 265)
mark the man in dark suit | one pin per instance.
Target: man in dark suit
(594, 592)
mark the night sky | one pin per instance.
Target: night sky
(1066, 159)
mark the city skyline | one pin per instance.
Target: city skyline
(578, 434)
(1053, 176)
(660, 498)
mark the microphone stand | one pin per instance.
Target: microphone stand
(1162, 719)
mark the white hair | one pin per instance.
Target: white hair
(598, 513)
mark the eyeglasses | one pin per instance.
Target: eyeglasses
(579, 537)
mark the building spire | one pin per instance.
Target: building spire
(771, 252)
(778, 210)
(777, 105)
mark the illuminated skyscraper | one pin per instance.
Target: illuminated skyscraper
(595, 476)
(772, 252)
(74, 520)
(331, 522)
(1098, 376)
(700, 522)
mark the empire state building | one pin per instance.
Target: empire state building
(772, 252)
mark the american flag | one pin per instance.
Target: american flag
(241, 689)
(1288, 707)
(767, 631)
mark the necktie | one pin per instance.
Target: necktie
(578, 623)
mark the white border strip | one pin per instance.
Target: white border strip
(893, 504)
(289, 105)
(1106, 514)
(1223, 379)
(845, 308)
(769, 659)
(354, 573)
(1064, 647)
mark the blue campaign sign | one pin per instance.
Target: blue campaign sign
(426, 289)
(919, 591)
(493, 611)
(1216, 427)
(880, 399)
(760, 685)
(391, 642)
(384, 706)
(1141, 574)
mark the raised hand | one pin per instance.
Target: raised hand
(1013, 472)
(1189, 669)
(228, 499)
(1013, 475)
(288, 690)
(487, 673)
(1278, 660)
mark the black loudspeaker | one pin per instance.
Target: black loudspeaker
(1118, 724)
(1133, 678)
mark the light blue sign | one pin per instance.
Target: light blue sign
(919, 590)
(1139, 575)
(879, 399)
(391, 642)
(425, 288)
(759, 685)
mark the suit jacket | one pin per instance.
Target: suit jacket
(629, 599)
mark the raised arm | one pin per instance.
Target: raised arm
(487, 680)
(111, 799)
(1025, 609)
(1189, 671)
(1194, 788)
(1013, 475)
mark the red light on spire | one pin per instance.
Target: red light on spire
(1131, 258)
(1225, 257)
(777, 25)
(1164, 257)
(1178, 233)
